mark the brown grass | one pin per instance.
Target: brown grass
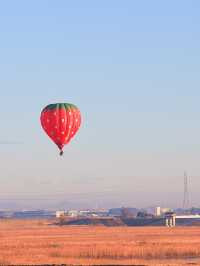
(37, 242)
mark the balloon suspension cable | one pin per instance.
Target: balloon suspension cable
(61, 152)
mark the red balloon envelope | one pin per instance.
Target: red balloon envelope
(61, 122)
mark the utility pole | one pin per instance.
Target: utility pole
(186, 201)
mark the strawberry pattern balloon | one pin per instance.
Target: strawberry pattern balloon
(61, 122)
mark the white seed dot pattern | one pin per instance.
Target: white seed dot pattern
(61, 125)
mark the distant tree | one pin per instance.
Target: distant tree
(61, 220)
(142, 214)
(126, 213)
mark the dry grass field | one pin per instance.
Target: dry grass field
(38, 242)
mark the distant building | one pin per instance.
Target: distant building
(115, 212)
(170, 219)
(100, 213)
(164, 210)
(33, 214)
(118, 212)
(72, 213)
(157, 211)
(60, 214)
(85, 213)
(192, 216)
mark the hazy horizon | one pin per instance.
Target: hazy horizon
(132, 68)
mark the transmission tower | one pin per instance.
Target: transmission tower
(186, 201)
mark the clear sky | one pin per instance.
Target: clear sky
(132, 67)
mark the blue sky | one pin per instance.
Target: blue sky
(132, 67)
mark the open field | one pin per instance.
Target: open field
(37, 242)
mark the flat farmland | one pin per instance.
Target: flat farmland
(40, 242)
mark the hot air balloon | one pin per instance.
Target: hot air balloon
(61, 122)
